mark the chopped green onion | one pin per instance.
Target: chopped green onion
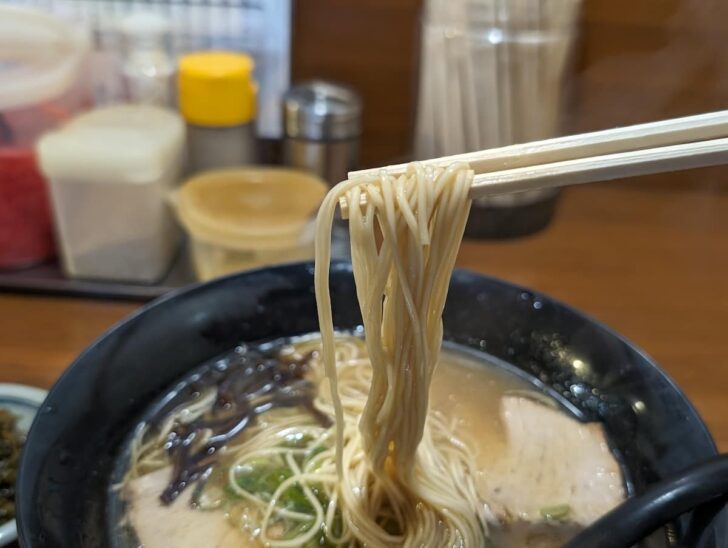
(298, 529)
(297, 440)
(559, 512)
(311, 453)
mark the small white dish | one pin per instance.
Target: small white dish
(23, 402)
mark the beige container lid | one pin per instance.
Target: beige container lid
(121, 144)
(249, 208)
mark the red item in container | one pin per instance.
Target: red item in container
(26, 233)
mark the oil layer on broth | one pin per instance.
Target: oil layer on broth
(241, 453)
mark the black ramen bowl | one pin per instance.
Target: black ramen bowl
(598, 375)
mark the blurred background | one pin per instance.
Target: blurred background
(323, 86)
(127, 129)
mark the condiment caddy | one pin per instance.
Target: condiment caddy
(115, 175)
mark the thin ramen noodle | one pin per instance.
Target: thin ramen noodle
(406, 462)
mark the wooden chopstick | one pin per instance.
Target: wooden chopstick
(599, 168)
(670, 145)
(602, 168)
(667, 132)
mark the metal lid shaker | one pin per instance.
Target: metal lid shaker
(322, 126)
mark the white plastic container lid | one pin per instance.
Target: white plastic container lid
(40, 56)
(123, 144)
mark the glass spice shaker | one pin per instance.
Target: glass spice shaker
(147, 65)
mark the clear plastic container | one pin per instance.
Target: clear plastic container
(493, 73)
(41, 86)
(246, 218)
(110, 172)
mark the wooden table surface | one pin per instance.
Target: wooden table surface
(650, 262)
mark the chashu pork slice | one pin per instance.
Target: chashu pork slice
(177, 525)
(552, 464)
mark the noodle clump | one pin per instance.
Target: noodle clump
(400, 464)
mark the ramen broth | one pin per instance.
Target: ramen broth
(467, 389)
